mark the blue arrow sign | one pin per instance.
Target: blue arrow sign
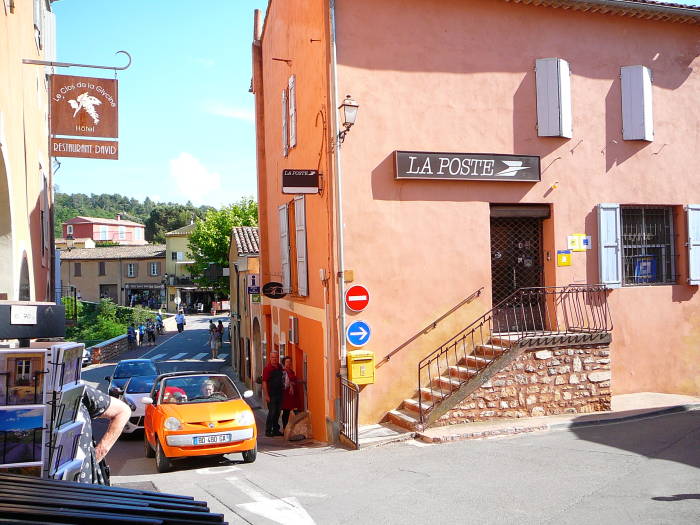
(358, 333)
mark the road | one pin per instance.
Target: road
(645, 471)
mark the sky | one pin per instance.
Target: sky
(186, 118)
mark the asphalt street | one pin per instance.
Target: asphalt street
(645, 471)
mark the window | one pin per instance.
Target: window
(104, 233)
(131, 270)
(77, 270)
(24, 368)
(285, 136)
(180, 256)
(122, 233)
(102, 268)
(69, 229)
(636, 245)
(173, 256)
(138, 234)
(154, 267)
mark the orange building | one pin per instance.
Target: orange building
(507, 159)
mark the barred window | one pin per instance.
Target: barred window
(647, 245)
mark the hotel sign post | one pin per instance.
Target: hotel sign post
(466, 166)
(84, 107)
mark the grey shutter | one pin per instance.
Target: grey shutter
(292, 112)
(637, 121)
(285, 137)
(553, 82)
(158, 272)
(610, 245)
(300, 227)
(284, 247)
(693, 214)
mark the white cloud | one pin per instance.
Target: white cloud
(193, 180)
(238, 113)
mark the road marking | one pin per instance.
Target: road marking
(177, 356)
(198, 357)
(216, 470)
(287, 511)
(156, 357)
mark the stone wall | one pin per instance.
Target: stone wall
(540, 383)
(109, 351)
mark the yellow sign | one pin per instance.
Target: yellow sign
(563, 257)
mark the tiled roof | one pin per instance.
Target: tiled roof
(247, 240)
(648, 9)
(100, 220)
(148, 251)
(181, 232)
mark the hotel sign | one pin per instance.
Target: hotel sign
(466, 166)
(84, 107)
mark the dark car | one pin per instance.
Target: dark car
(126, 369)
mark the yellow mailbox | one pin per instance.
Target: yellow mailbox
(361, 367)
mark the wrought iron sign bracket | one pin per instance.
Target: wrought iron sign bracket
(70, 64)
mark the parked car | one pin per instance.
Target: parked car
(126, 369)
(134, 391)
(87, 356)
(197, 414)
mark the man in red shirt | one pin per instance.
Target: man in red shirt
(273, 387)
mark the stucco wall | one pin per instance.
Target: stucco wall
(457, 76)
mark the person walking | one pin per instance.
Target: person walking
(142, 334)
(180, 321)
(273, 385)
(290, 397)
(131, 336)
(214, 343)
(220, 333)
(151, 331)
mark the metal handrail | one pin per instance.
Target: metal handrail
(349, 411)
(527, 313)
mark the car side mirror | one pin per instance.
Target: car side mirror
(108, 378)
(247, 394)
(146, 400)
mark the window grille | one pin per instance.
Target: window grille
(648, 254)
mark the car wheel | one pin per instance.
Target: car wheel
(147, 449)
(250, 455)
(163, 464)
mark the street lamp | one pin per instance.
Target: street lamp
(70, 242)
(348, 113)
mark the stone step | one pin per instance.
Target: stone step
(462, 372)
(447, 383)
(403, 419)
(489, 350)
(412, 405)
(474, 361)
(505, 339)
(432, 394)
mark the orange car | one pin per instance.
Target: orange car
(197, 414)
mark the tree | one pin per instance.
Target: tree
(169, 217)
(210, 240)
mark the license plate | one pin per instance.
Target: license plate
(208, 440)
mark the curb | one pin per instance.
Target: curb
(570, 425)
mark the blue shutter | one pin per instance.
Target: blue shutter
(610, 245)
(693, 213)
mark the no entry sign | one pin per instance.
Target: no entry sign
(357, 298)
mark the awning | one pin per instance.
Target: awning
(541, 211)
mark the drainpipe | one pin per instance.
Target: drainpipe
(338, 195)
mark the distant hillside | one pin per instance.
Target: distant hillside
(158, 217)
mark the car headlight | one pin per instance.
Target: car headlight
(131, 404)
(172, 423)
(245, 418)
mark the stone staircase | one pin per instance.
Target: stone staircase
(457, 382)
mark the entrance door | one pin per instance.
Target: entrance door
(516, 262)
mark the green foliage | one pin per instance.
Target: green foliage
(158, 217)
(105, 244)
(103, 321)
(210, 240)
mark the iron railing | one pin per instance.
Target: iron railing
(347, 416)
(551, 317)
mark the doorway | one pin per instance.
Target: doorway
(517, 262)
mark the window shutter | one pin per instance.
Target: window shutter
(284, 247)
(637, 121)
(136, 269)
(693, 213)
(126, 270)
(610, 245)
(553, 81)
(285, 137)
(292, 112)
(300, 226)
(158, 268)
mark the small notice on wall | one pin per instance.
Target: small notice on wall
(563, 257)
(22, 314)
(578, 242)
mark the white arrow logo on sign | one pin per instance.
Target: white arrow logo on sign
(362, 333)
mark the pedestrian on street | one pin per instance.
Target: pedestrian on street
(220, 333)
(273, 385)
(131, 336)
(142, 333)
(180, 321)
(290, 397)
(214, 343)
(151, 331)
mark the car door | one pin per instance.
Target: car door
(151, 415)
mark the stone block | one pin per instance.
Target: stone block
(537, 412)
(564, 369)
(560, 380)
(573, 379)
(533, 389)
(504, 404)
(521, 379)
(543, 354)
(499, 382)
(531, 400)
(577, 367)
(598, 377)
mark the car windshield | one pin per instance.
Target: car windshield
(199, 389)
(139, 385)
(134, 368)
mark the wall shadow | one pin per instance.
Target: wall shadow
(617, 150)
